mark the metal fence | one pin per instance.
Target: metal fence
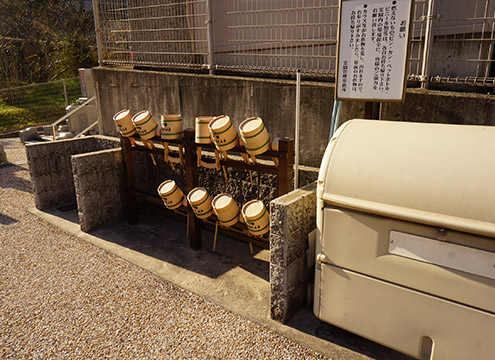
(36, 104)
(452, 40)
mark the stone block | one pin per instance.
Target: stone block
(295, 275)
(278, 280)
(28, 134)
(295, 211)
(107, 142)
(277, 250)
(294, 246)
(99, 187)
(291, 215)
(278, 219)
(51, 169)
(279, 308)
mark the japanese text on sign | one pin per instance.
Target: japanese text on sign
(372, 54)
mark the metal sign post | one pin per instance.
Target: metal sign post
(373, 47)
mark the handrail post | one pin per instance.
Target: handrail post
(425, 68)
(296, 132)
(209, 29)
(96, 12)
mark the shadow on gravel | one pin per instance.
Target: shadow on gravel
(165, 239)
(304, 320)
(9, 179)
(7, 220)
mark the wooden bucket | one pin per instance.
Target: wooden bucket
(200, 202)
(123, 119)
(226, 209)
(202, 133)
(171, 127)
(171, 195)
(255, 136)
(145, 124)
(223, 132)
(256, 217)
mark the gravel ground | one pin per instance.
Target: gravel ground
(61, 297)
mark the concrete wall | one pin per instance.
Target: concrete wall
(193, 95)
(292, 218)
(272, 100)
(100, 188)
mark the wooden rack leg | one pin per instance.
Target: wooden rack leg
(217, 159)
(251, 248)
(181, 154)
(245, 158)
(165, 151)
(133, 142)
(191, 170)
(253, 159)
(198, 156)
(226, 158)
(149, 145)
(215, 237)
(153, 159)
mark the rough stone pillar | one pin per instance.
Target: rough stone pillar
(99, 186)
(51, 172)
(292, 218)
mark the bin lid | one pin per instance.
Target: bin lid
(436, 174)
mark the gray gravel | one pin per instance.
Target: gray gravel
(61, 297)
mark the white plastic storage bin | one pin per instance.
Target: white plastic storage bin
(406, 237)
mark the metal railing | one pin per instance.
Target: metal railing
(453, 41)
(67, 116)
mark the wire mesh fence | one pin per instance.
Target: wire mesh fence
(452, 40)
(36, 104)
(153, 33)
(278, 36)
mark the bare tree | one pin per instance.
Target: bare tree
(44, 40)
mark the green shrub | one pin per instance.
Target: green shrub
(12, 117)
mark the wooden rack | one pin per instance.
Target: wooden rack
(284, 172)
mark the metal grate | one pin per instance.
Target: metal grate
(464, 41)
(452, 40)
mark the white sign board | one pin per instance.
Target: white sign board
(373, 49)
